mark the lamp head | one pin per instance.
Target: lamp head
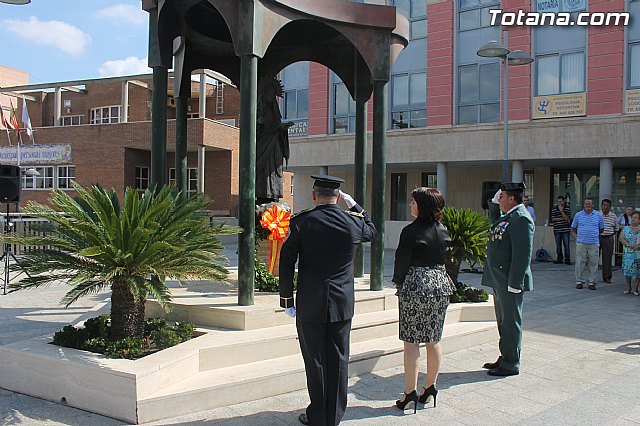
(31, 172)
(493, 49)
(518, 57)
(16, 1)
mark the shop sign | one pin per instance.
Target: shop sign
(36, 154)
(557, 106)
(299, 128)
(632, 101)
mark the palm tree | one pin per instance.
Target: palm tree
(93, 244)
(469, 232)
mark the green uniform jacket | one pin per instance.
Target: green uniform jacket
(509, 250)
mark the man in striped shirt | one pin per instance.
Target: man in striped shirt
(561, 222)
(587, 225)
(606, 238)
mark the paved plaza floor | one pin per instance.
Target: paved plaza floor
(580, 366)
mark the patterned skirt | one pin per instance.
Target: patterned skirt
(423, 299)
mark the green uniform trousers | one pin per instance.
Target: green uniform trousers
(508, 307)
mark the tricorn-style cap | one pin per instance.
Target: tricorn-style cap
(326, 181)
(512, 186)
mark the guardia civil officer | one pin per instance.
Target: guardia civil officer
(507, 270)
(324, 241)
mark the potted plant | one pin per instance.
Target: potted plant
(469, 232)
(93, 244)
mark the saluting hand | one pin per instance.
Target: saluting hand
(348, 199)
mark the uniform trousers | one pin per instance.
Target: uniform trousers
(508, 308)
(325, 350)
(586, 263)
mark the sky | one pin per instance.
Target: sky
(63, 40)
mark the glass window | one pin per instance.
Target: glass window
(479, 93)
(295, 102)
(398, 196)
(142, 178)
(560, 73)
(105, 115)
(72, 120)
(192, 179)
(634, 66)
(344, 108)
(66, 174)
(43, 182)
(430, 179)
(547, 80)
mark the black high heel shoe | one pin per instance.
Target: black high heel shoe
(431, 391)
(408, 398)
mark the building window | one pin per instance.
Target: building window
(560, 61)
(408, 98)
(528, 183)
(192, 179)
(430, 179)
(633, 35)
(72, 120)
(105, 115)
(478, 79)
(399, 196)
(292, 177)
(295, 100)
(66, 174)
(42, 182)
(344, 108)
(142, 178)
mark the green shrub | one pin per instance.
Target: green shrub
(128, 348)
(464, 293)
(94, 337)
(165, 338)
(264, 280)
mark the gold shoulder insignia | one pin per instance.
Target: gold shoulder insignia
(352, 213)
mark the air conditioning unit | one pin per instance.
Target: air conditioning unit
(171, 102)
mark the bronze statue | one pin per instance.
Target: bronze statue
(272, 142)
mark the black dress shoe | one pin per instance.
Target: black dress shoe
(302, 418)
(492, 365)
(559, 261)
(499, 371)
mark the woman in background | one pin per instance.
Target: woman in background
(630, 240)
(423, 292)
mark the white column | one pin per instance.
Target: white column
(517, 172)
(606, 178)
(202, 105)
(124, 108)
(324, 170)
(441, 178)
(201, 152)
(57, 106)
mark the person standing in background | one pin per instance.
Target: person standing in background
(630, 239)
(525, 201)
(561, 222)
(587, 225)
(607, 238)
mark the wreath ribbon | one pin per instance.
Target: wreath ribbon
(276, 220)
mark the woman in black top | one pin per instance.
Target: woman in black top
(423, 291)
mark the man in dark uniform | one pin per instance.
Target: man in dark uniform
(507, 270)
(324, 241)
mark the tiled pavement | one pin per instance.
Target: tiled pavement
(580, 366)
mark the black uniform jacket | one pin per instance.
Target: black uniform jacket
(421, 243)
(324, 241)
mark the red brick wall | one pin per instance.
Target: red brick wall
(519, 76)
(605, 66)
(318, 99)
(440, 69)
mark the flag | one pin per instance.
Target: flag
(13, 118)
(9, 122)
(25, 118)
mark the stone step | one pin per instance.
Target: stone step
(267, 377)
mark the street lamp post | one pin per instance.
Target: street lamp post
(494, 49)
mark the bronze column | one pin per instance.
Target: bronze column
(181, 145)
(159, 127)
(378, 184)
(246, 219)
(360, 193)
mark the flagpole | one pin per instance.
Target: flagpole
(19, 143)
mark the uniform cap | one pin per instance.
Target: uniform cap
(326, 181)
(512, 186)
